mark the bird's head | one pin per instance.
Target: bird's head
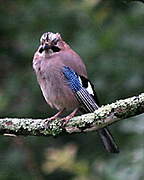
(51, 43)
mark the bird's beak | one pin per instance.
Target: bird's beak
(46, 46)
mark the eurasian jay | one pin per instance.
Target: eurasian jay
(63, 80)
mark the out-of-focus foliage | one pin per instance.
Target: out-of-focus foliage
(109, 36)
(65, 159)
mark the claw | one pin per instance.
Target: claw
(70, 116)
(48, 120)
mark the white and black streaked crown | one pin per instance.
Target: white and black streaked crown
(49, 36)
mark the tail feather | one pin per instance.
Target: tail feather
(108, 140)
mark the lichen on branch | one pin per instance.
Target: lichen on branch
(105, 115)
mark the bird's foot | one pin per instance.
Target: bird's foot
(51, 119)
(65, 120)
(48, 120)
(70, 116)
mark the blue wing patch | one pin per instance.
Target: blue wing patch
(82, 93)
(72, 78)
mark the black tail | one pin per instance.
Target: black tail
(108, 140)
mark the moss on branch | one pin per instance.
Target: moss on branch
(105, 115)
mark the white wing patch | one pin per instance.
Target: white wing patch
(89, 89)
(80, 80)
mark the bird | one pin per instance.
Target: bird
(63, 79)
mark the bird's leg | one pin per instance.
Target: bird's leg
(67, 118)
(55, 116)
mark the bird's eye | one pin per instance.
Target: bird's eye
(54, 41)
(55, 48)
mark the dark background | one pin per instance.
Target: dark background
(109, 36)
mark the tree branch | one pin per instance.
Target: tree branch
(105, 115)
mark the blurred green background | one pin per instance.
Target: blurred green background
(109, 36)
